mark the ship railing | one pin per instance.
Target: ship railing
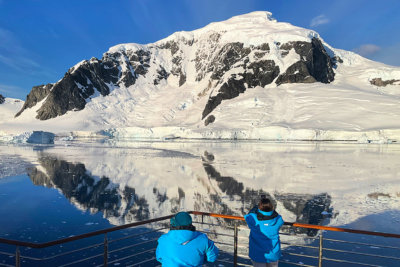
(302, 245)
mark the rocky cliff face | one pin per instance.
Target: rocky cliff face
(84, 80)
(314, 65)
(229, 65)
(2, 99)
(37, 94)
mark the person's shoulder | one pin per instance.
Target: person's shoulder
(164, 237)
(279, 220)
(250, 215)
(201, 237)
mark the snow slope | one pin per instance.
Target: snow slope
(349, 108)
(9, 108)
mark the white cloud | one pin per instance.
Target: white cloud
(389, 55)
(367, 50)
(319, 20)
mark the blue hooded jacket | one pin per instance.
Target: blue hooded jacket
(185, 248)
(264, 243)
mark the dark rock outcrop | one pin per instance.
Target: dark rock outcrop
(315, 64)
(226, 58)
(381, 83)
(231, 89)
(296, 73)
(320, 66)
(37, 94)
(210, 119)
(171, 45)
(335, 60)
(177, 69)
(203, 56)
(2, 99)
(74, 90)
(162, 74)
(258, 73)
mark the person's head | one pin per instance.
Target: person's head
(182, 221)
(265, 205)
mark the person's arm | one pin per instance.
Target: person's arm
(280, 222)
(159, 253)
(250, 221)
(212, 251)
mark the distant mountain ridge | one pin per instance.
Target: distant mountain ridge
(124, 204)
(244, 73)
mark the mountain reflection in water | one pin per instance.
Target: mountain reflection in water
(87, 191)
(127, 204)
(308, 182)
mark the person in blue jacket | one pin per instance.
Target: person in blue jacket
(264, 244)
(183, 245)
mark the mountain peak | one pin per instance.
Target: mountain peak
(255, 16)
(253, 28)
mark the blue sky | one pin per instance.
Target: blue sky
(41, 39)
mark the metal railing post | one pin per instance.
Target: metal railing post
(320, 250)
(17, 257)
(235, 245)
(105, 251)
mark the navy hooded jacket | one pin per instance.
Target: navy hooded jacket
(185, 248)
(264, 243)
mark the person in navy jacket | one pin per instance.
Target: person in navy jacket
(183, 245)
(264, 244)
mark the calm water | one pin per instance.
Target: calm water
(50, 192)
(35, 213)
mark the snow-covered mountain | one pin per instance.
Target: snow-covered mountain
(243, 78)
